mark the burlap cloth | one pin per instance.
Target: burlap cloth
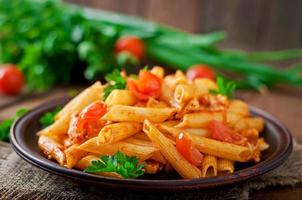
(20, 180)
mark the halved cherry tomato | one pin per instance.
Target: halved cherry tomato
(90, 114)
(147, 85)
(131, 44)
(223, 133)
(201, 71)
(187, 150)
(11, 79)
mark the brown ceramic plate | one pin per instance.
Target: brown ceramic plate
(24, 141)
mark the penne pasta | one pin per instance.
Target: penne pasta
(158, 71)
(249, 123)
(118, 131)
(120, 113)
(221, 149)
(209, 166)
(169, 151)
(52, 149)
(114, 98)
(142, 152)
(200, 119)
(239, 108)
(175, 131)
(225, 166)
(73, 155)
(86, 161)
(152, 167)
(78, 103)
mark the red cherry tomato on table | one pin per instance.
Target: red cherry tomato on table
(11, 79)
(185, 147)
(222, 133)
(90, 114)
(131, 44)
(201, 71)
(147, 85)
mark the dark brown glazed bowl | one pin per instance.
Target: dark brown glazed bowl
(24, 141)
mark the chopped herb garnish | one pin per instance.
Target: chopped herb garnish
(6, 124)
(127, 166)
(49, 117)
(146, 68)
(226, 88)
(115, 81)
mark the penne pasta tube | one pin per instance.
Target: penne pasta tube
(73, 155)
(209, 166)
(118, 131)
(239, 108)
(175, 131)
(158, 71)
(205, 83)
(52, 149)
(142, 152)
(221, 149)
(262, 144)
(200, 119)
(225, 166)
(119, 113)
(169, 151)
(153, 103)
(120, 97)
(249, 123)
(157, 156)
(232, 118)
(141, 136)
(61, 125)
(78, 103)
(86, 161)
(173, 80)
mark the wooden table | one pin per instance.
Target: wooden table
(284, 103)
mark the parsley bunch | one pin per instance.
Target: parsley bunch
(49, 117)
(226, 88)
(127, 166)
(115, 81)
(6, 124)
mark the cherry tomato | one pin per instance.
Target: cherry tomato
(223, 133)
(187, 150)
(131, 44)
(201, 71)
(11, 79)
(90, 114)
(147, 85)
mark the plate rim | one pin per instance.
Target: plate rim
(146, 184)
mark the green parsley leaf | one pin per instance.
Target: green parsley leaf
(127, 166)
(146, 68)
(226, 88)
(6, 124)
(115, 81)
(49, 117)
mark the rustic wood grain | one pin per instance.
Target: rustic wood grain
(255, 25)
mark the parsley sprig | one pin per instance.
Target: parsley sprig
(115, 81)
(226, 88)
(49, 117)
(127, 166)
(6, 124)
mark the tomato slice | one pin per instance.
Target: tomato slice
(131, 44)
(201, 71)
(223, 133)
(147, 85)
(90, 114)
(187, 150)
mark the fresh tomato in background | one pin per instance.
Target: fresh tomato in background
(185, 147)
(201, 71)
(131, 44)
(147, 85)
(11, 79)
